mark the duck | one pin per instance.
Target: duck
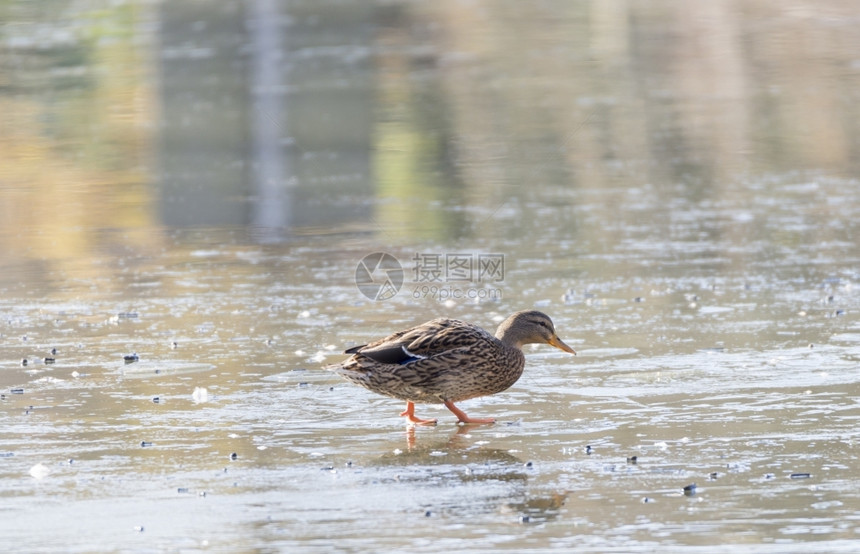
(444, 361)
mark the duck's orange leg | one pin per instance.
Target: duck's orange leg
(461, 415)
(409, 413)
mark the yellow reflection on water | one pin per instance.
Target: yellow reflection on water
(76, 144)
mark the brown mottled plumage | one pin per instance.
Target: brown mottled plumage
(447, 360)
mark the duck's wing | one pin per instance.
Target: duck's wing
(424, 341)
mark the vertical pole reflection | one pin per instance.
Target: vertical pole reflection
(271, 203)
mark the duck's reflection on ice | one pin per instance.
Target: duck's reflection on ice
(461, 476)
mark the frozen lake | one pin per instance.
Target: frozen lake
(188, 191)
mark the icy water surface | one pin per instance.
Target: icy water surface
(188, 193)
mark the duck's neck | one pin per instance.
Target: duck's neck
(510, 335)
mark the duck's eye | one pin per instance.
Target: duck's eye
(543, 324)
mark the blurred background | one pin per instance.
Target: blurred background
(295, 117)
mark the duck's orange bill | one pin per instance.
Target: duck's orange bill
(558, 343)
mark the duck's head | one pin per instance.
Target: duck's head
(530, 327)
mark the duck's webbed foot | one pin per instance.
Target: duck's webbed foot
(409, 414)
(463, 418)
